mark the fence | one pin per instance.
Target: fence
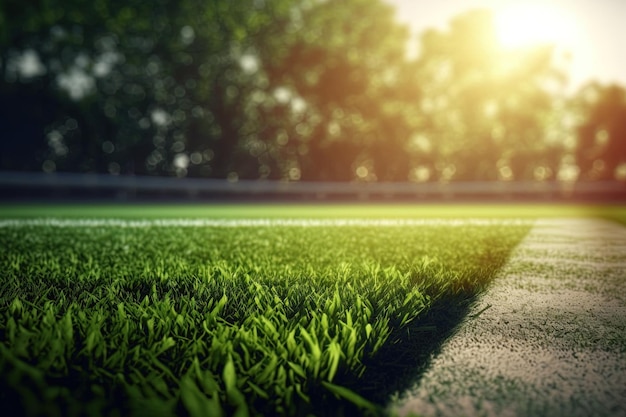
(35, 186)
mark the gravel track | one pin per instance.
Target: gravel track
(547, 339)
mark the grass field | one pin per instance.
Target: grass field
(246, 310)
(281, 211)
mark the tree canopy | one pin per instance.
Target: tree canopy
(601, 129)
(288, 89)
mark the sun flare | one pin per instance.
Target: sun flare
(526, 24)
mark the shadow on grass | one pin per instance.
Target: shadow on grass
(403, 361)
(408, 354)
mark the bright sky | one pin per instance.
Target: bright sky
(593, 31)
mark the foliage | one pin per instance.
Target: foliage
(345, 60)
(484, 103)
(281, 89)
(248, 320)
(134, 84)
(601, 150)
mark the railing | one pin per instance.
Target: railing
(35, 185)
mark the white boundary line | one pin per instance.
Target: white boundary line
(59, 222)
(538, 341)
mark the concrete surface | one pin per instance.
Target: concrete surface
(547, 339)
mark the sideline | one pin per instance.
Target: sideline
(59, 222)
(547, 339)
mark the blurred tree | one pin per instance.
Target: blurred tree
(487, 108)
(126, 86)
(289, 89)
(601, 148)
(338, 69)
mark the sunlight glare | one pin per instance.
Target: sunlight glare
(527, 24)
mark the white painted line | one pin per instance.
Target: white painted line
(59, 222)
(551, 342)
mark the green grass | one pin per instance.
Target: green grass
(234, 211)
(617, 215)
(254, 320)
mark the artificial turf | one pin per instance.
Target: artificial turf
(188, 318)
(299, 210)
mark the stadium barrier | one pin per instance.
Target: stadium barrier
(36, 185)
